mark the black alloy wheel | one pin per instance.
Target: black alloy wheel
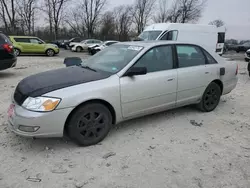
(210, 98)
(90, 124)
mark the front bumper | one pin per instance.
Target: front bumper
(73, 48)
(57, 50)
(51, 124)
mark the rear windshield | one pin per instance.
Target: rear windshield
(4, 39)
(221, 37)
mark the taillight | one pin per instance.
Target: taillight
(237, 69)
(8, 48)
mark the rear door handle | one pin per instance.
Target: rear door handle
(206, 72)
(170, 79)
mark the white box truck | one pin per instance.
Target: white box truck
(203, 35)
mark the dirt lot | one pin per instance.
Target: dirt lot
(163, 150)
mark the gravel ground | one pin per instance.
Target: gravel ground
(181, 148)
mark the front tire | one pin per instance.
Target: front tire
(78, 49)
(210, 98)
(50, 53)
(89, 124)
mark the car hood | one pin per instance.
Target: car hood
(42, 83)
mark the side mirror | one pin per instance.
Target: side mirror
(72, 61)
(133, 71)
(40, 42)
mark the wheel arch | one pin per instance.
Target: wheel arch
(78, 46)
(219, 83)
(101, 101)
(49, 49)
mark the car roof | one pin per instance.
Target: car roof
(154, 43)
(111, 41)
(23, 36)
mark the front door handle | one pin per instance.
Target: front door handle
(206, 72)
(170, 79)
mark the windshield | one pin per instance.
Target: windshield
(113, 58)
(149, 35)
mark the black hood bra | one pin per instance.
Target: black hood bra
(41, 83)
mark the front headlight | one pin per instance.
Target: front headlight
(41, 104)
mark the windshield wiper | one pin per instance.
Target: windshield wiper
(87, 67)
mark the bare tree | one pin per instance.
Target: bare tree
(107, 29)
(26, 12)
(8, 14)
(75, 20)
(217, 23)
(92, 10)
(54, 10)
(184, 11)
(123, 21)
(142, 13)
(174, 13)
(191, 10)
(162, 14)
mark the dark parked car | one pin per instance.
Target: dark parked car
(7, 56)
(66, 43)
(243, 47)
(57, 42)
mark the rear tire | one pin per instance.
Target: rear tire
(210, 98)
(50, 52)
(89, 124)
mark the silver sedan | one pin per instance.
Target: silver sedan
(124, 81)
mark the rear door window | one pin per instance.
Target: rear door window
(23, 40)
(90, 42)
(189, 55)
(210, 59)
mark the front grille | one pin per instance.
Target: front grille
(19, 97)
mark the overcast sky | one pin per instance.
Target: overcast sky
(235, 13)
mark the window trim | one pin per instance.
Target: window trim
(162, 45)
(193, 45)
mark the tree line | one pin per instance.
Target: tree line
(57, 19)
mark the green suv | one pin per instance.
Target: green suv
(32, 45)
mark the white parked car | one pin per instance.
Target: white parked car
(247, 55)
(83, 46)
(96, 48)
(124, 81)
